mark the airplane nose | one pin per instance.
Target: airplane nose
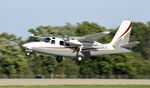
(27, 45)
(32, 44)
(24, 45)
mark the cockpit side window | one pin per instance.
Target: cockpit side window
(61, 42)
(47, 39)
(53, 42)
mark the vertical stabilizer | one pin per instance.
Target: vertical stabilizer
(123, 34)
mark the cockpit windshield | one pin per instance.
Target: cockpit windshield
(46, 39)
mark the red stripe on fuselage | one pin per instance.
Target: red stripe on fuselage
(126, 30)
(69, 48)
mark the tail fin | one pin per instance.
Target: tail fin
(123, 34)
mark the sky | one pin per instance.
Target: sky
(18, 16)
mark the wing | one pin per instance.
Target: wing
(74, 43)
(77, 41)
(32, 35)
(93, 37)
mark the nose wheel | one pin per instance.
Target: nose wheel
(28, 52)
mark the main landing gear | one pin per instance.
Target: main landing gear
(59, 58)
(79, 58)
(79, 55)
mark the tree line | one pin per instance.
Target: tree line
(15, 64)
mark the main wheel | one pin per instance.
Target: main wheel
(59, 58)
(79, 58)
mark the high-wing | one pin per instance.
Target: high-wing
(93, 37)
(89, 38)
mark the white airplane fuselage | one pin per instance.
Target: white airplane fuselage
(85, 46)
(88, 49)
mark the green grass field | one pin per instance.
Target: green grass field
(81, 86)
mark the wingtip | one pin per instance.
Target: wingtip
(106, 32)
(31, 35)
(137, 42)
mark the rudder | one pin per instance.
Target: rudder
(123, 34)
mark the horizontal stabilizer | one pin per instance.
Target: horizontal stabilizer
(130, 45)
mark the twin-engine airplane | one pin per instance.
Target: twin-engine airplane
(84, 46)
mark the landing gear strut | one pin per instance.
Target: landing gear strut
(79, 56)
(59, 58)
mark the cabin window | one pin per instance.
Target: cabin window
(47, 40)
(67, 44)
(61, 42)
(53, 42)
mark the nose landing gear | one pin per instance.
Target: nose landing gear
(28, 52)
